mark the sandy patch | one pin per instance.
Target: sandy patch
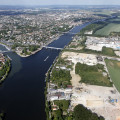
(117, 53)
(118, 63)
(75, 78)
(118, 118)
(83, 58)
(94, 103)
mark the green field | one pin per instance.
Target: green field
(92, 74)
(108, 51)
(104, 12)
(114, 71)
(112, 27)
(115, 19)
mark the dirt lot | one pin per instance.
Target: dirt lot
(75, 78)
(96, 98)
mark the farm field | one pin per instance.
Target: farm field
(112, 27)
(115, 19)
(114, 71)
(104, 12)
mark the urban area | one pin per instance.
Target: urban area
(84, 81)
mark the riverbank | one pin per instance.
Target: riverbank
(7, 70)
(34, 52)
(47, 80)
(5, 46)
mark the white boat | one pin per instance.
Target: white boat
(46, 58)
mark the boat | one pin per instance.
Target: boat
(46, 58)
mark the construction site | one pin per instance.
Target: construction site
(105, 101)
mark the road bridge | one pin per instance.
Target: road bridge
(71, 33)
(55, 48)
(4, 51)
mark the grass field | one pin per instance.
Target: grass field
(92, 75)
(114, 71)
(108, 51)
(112, 27)
(115, 19)
(104, 12)
(96, 78)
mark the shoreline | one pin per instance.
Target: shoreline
(6, 74)
(5, 46)
(32, 53)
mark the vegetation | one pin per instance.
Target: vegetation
(103, 28)
(14, 46)
(92, 74)
(82, 19)
(108, 51)
(61, 78)
(4, 70)
(61, 61)
(63, 28)
(115, 34)
(29, 49)
(2, 116)
(114, 71)
(79, 113)
(62, 104)
(105, 51)
(80, 42)
(94, 27)
(103, 12)
(33, 47)
(62, 108)
(82, 113)
(47, 104)
(106, 30)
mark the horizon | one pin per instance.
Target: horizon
(59, 2)
(58, 5)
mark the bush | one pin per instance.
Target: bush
(61, 78)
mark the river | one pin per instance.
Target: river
(22, 92)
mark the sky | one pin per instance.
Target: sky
(59, 2)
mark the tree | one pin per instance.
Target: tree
(24, 50)
(82, 113)
(59, 115)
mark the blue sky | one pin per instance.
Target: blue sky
(59, 2)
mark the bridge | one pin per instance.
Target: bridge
(69, 33)
(4, 51)
(55, 48)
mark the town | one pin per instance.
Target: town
(29, 31)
